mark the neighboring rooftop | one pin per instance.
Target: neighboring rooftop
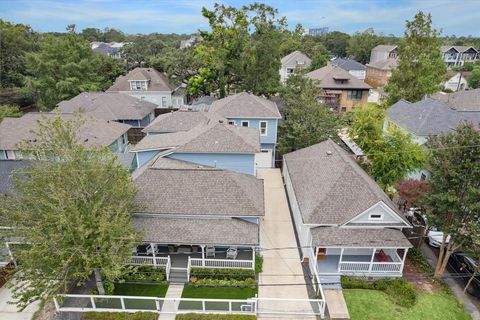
(296, 58)
(459, 49)
(192, 189)
(330, 187)
(334, 77)
(385, 64)
(176, 121)
(465, 100)
(358, 237)
(428, 117)
(245, 105)
(93, 132)
(156, 81)
(108, 106)
(384, 48)
(348, 64)
(211, 138)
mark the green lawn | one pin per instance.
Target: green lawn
(375, 305)
(218, 292)
(145, 290)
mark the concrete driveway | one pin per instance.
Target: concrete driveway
(9, 311)
(282, 275)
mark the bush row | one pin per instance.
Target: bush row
(400, 291)
(120, 316)
(247, 283)
(196, 316)
(419, 261)
(232, 274)
(146, 273)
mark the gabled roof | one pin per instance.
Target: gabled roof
(459, 49)
(93, 132)
(198, 191)
(348, 64)
(245, 105)
(108, 106)
(465, 100)
(181, 121)
(359, 237)
(384, 48)
(428, 117)
(214, 137)
(329, 73)
(294, 58)
(385, 64)
(330, 187)
(156, 81)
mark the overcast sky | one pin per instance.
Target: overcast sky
(459, 17)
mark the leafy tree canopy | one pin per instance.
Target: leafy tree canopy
(11, 111)
(474, 79)
(361, 44)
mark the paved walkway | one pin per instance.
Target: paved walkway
(456, 288)
(337, 307)
(282, 275)
(174, 292)
(9, 311)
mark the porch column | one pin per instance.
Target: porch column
(152, 245)
(253, 258)
(403, 259)
(340, 260)
(203, 255)
(371, 260)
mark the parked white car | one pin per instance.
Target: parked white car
(435, 238)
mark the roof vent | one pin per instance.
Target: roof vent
(220, 121)
(329, 153)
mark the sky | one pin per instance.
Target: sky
(459, 17)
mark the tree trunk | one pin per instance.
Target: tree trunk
(421, 241)
(442, 264)
(98, 280)
(440, 258)
(466, 287)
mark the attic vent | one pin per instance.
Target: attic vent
(329, 153)
(220, 121)
(85, 140)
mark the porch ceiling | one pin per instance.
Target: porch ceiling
(196, 230)
(359, 237)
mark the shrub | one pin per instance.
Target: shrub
(119, 316)
(258, 264)
(247, 283)
(419, 260)
(232, 274)
(196, 316)
(145, 273)
(400, 291)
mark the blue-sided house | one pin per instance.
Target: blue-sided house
(248, 110)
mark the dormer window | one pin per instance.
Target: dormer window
(138, 85)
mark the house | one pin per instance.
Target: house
(247, 110)
(291, 62)
(459, 55)
(111, 106)
(150, 85)
(214, 144)
(180, 120)
(315, 32)
(353, 67)
(456, 80)
(382, 52)
(346, 224)
(342, 91)
(93, 132)
(192, 41)
(379, 72)
(201, 103)
(206, 217)
(463, 101)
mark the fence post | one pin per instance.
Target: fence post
(157, 304)
(229, 306)
(203, 305)
(92, 301)
(122, 302)
(55, 302)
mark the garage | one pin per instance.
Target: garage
(264, 158)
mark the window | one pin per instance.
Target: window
(375, 216)
(164, 101)
(354, 94)
(232, 122)
(289, 70)
(174, 102)
(263, 128)
(138, 85)
(124, 138)
(245, 123)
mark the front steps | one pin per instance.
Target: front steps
(178, 275)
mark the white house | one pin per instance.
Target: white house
(346, 224)
(291, 62)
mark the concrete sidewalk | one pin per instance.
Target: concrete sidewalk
(9, 311)
(174, 292)
(456, 288)
(282, 275)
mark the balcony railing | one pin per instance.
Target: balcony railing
(370, 267)
(149, 261)
(222, 263)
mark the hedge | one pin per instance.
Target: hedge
(119, 316)
(400, 291)
(196, 316)
(258, 264)
(146, 273)
(247, 283)
(232, 274)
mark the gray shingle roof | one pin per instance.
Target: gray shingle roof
(428, 117)
(245, 105)
(157, 81)
(348, 64)
(331, 189)
(295, 58)
(181, 121)
(108, 106)
(211, 138)
(94, 132)
(459, 49)
(465, 100)
(385, 64)
(198, 191)
(196, 230)
(359, 237)
(384, 48)
(329, 73)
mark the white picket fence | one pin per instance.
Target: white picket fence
(371, 267)
(222, 263)
(150, 261)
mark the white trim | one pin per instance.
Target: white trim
(385, 207)
(253, 118)
(260, 127)
(380, 216)
(232, 122)
(245, 121)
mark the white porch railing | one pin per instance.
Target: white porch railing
(222, 263)
(370, 267)
(152, 261)
(168, 267)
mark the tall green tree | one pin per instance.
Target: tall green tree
(74, 214)
(320, 58)
(361, 44)
(421, 69)
(64, 67)
(474, 79)
(391, 154)
(453, 201)
(336, 43)
(15, 41)
(307, 121)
